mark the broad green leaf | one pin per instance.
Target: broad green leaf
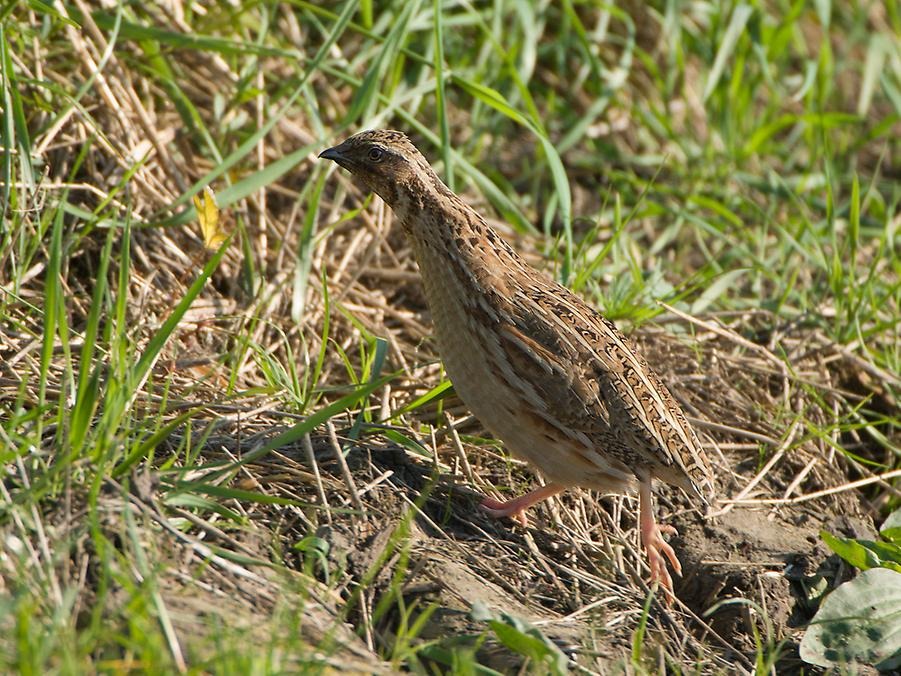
(893, 535)
(296, 432)
(305, 251)
(523, 638)
(851, 551)
(858, 624)
(892, 521)
(155, 345)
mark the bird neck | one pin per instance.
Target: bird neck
(436, 219)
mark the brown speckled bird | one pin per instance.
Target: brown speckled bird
(544, 372)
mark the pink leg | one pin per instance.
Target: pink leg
(651, 536)
(516, 508)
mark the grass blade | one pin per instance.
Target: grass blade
(740, 16)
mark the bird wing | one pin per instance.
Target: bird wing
(590, 377)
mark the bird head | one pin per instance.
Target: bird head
(385, 161)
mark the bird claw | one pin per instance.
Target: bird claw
(516, 508)
(498, 509)
(659, 552)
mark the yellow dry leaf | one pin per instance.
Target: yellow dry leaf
(208, 216)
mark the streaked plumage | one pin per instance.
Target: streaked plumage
(542, 370)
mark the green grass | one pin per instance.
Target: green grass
(718, 157)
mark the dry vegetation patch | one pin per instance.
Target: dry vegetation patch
(359, 544)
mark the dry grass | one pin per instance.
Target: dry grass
(359, 545)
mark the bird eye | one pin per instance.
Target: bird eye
(375, 155)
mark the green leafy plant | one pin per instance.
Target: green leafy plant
(524, 639)
(866, 554)
(860, 622)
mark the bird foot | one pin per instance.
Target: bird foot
(659, 552)
(499, 509)
(516, 508)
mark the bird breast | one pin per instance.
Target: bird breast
(467, 325)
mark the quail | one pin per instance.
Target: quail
(547, 374)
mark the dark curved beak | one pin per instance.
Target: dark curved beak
(332, 154)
